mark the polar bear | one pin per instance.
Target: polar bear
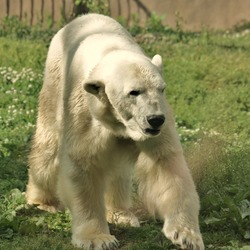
(102, 113)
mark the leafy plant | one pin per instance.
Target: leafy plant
(12, 25)
(228, 210)
(155, 24)
(11, 205)
(100, 6)
(14, 28)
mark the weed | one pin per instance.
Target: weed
(100, 6)
(12, 27)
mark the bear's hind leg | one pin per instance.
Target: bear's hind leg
(118, 202)
(36, 195)
(41, 188)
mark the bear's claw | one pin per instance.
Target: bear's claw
(185, 238)
(176, 235)
(97, 242)
(111, 246)
(104, 246)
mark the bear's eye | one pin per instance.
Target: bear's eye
(134, 92)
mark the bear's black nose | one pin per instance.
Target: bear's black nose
(156, 120)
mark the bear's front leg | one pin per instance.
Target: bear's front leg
(83, 193)
(168, 189)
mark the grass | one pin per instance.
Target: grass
(208, 81)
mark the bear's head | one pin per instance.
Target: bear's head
(127, 94)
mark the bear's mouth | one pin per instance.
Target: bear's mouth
(152, 131)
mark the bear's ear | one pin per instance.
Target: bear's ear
(157, 61)
(94, 87)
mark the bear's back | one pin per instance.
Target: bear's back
(79, 29)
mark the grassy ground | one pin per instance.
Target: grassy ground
(208, 83)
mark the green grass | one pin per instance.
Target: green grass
(208, 84)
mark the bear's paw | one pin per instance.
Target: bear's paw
(123, 218)
(96, 242)
(184, 237)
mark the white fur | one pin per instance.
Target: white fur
(100, 91)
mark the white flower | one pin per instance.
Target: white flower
(6, 140)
